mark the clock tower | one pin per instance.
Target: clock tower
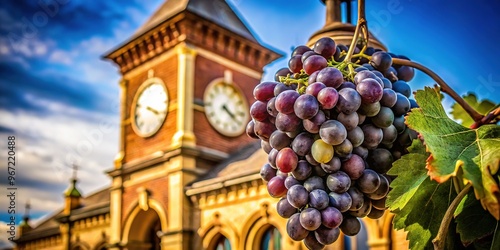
(187, 81)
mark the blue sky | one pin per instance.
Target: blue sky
(61, 100)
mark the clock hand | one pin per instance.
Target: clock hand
(224, 107)
(152, 110)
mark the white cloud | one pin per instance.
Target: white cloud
(61, 56)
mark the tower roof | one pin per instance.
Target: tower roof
(217, 11)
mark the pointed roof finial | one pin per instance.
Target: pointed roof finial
(26, 216)
(72, 190)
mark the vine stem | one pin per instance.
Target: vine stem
(444, 87)
(487, 119)
(440, 239)
(361, 23)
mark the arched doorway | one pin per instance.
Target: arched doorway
(143, 234)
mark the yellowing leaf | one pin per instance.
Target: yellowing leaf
(453, 147)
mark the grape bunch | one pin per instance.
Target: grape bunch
(331, 130)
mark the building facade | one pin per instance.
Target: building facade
(186, 175)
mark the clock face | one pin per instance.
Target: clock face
(150, 108)
(226, 108)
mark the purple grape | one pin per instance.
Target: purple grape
(297, 196)
(360, 76)
(364, 210)
(328, 97)
(369, 182)
(349, 101)
(318, 199)
(373, 136)
(267, 172)
(310, 218)
(286, 160)
(387, 83)
(402, 105)
(258, 111)
(361, 152)
(291, 181)
(349, 121)
(331, 217)
(280, 87)
(302, 143)
(312, 243)
(281, 72)
(356, 136)
(344, 149)
(333, 132)
(313, 125)
(331, 77)
(314, 88)
(346, 85)
(307, 55)
(271, 108)
(276, 187)
(287, 122)
(381, 191)
(402, 87)
(295, 63)
(384, 118)
(338, 182)
(294, 229)
(250, 130)
(369, 90)
(284, 208)
(264, 91)
(358, 199)
(353, 167)
(376, 213)
(271, 157)
(279, 140)
(314, 182)
(379, 204)
(314, 63)
(312, 77)
(306, 106)
(264, 129)
(326, 236)
(399, 123)
(350, 225)
(265, 146)
(342, 201)
(381, 60)
(302, 171)
(285, 101)
(390, 134)
(326, 47)
(300, 50)
(332, 166)
(406, 73)
(389, 98)
(369, 109)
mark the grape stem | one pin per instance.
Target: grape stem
(361, 23)
(444, 87)
(440, 239)
(491, 117)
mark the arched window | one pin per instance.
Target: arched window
(223, 244)
(271, 239)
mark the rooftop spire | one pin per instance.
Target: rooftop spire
(26, 216)
(72, 190)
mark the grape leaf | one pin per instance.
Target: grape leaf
(418, 203)
(453, 147)
(473, 222)
(482, 107)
